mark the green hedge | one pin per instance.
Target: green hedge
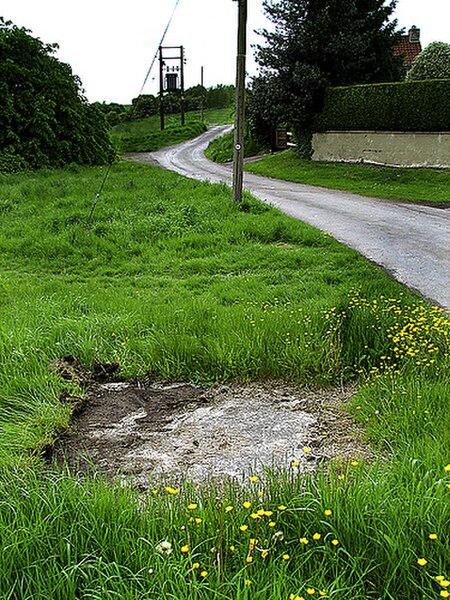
(405, 106)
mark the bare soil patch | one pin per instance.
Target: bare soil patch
(142, 432)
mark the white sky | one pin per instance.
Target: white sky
(110, 44)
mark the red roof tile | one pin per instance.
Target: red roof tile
(409, 50)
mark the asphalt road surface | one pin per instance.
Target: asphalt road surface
(410, 241)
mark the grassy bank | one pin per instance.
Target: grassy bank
(174, 280)
(144, 135)
(413, 185)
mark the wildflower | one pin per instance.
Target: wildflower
(286, 557)
(253, 478)
(192, 506)
(232, 548)
(267, 513)
(154, 492)
(306, 450)
(196, 565)
(260, 493)
(164, 547)
(198, 520)
(328, 512)
(445, 583)
(447, 467)
(322, 593)
(243, 527)
(249, 559)
(204, 574)
(439, 578)
(444, 594)
(272, 524)
(282, 507)
(247, 582)
(264, 553)
(335, 542)
(261, 512)
(247, 504)
(295, 463)
(317, 536)
(311, 591)
(433, 536)
(355, 463)
(185, 549)
(303, 541)
(254, 516)
(422, 562)
(252, 543)
(173, 491)
(228, 508)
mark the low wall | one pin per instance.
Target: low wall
(399, 149)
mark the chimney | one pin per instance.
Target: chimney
(414, 34)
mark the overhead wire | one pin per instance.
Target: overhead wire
(98, 194)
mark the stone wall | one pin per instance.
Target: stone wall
(399, 149)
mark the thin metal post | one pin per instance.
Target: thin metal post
(238, 151)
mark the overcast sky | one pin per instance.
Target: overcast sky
(110, 44)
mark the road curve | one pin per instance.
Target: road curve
(410, 241)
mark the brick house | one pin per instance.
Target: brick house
(409, 46)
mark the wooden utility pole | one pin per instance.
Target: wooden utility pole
(182, 83)
(239, 115)
(161, 88)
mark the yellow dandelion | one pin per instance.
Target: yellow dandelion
(433, 536)
(254, 478)
(252, 543)
(328, 512)
(196, 565)
(445, 583)
(322, 593)
(267, 513)
(447, 467)
(260, 493)
(295, 463)
(232, 548)
(335, 542)
(272, 524)
(439, 578)
(264, 553)
(228, 508)
(185, 549)
(282, 507)
(311, 591)
(306, 450)
(249, 559)
(444, 594)
(154, 492)
(247, 582)
(286, 557)
(254, 516)
(317, 536)
(243, 527)
(355, 463)
(422, 562)
(198, 520)
(173, 491)
(247, 504)
(303, 541)
(192, 506)
(204, 574)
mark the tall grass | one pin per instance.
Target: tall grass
(174, 280)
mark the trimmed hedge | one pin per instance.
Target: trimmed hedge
(404, 106)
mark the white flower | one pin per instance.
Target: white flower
(164, 547)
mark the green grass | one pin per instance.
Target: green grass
(144, 135)
(175, 281)
(413, 185)
(221, 149)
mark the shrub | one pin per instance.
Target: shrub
(404, 106)
(432, 63)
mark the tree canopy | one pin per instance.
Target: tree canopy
(317, 43)
(432, 63)
(44, 118)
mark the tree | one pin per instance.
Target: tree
(44, 118)
(432, 63)
(317, 43)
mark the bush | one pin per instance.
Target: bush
(405, 106)
(432, 63)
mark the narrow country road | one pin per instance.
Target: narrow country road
(411, 242)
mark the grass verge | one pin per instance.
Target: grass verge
(174, 280)
(412, 185)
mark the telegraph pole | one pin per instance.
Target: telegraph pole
(239, 115)
(161, 88)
